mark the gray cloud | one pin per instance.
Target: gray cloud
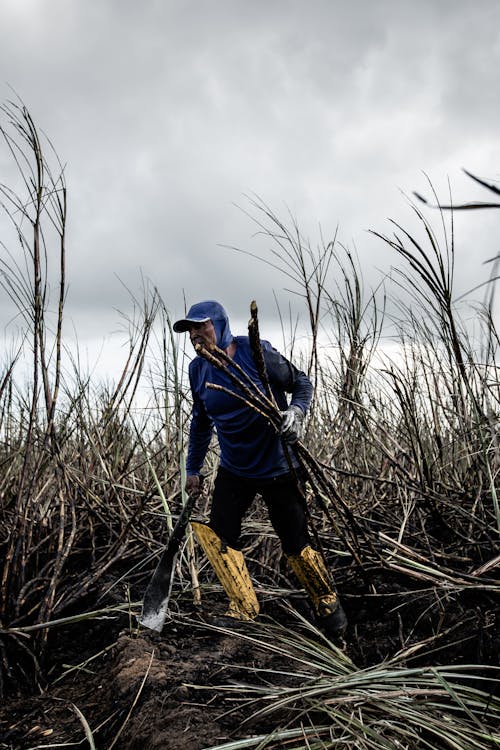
(167, 113)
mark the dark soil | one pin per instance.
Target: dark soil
(148, 691)
(151, 691)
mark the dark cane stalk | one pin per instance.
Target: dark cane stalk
(345, 524)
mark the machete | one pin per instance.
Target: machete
(157, 594)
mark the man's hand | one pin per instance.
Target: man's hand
(194, 485)
(292, 424)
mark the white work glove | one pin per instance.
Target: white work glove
(292, 424)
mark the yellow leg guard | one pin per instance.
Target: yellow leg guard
(310, 569)
(232, 572)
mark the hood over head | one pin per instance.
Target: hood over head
(208, 310)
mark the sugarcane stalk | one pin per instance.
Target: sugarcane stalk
(270, 417)
(244, 375)
(258, 357)
(255, 345)
(264, 404)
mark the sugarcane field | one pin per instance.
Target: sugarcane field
(130, 619)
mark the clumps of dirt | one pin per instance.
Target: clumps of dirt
(153, 672)
(182, 706)
(147, 692)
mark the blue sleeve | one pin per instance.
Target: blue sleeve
(285, 377)
(200, 430)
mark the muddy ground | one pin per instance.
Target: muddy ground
(147, 691)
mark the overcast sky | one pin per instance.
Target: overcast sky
(168, 112)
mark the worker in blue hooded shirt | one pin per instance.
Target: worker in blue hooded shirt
(252, 460)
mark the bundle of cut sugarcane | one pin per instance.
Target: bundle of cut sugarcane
(347, 528)
(263, 402)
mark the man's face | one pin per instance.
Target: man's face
(203, 333)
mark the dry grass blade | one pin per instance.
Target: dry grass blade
(472, 205)
(402, 558)
(86, 726)
(134, 703)
(377, 707)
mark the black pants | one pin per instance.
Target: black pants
(233, 496)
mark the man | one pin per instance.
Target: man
(253, 459)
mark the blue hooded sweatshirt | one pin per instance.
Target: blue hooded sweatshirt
(249, 445)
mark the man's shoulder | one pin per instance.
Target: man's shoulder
(244, 342)
(196, 367)
(194, 364)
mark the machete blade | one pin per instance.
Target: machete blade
(157, 594)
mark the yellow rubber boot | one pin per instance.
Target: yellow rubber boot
(311, 571)
(231, 570)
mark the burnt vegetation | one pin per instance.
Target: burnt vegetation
(403, 457)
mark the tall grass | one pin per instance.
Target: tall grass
(86, 478)
(92, 475)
